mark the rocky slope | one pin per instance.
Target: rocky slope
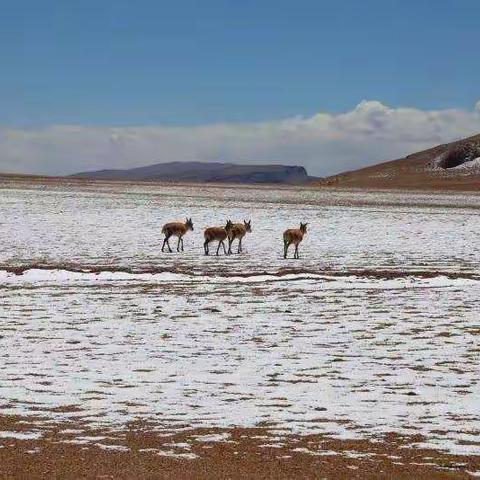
(453, 166)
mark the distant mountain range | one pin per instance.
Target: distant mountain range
(451, 166)
(205, 172)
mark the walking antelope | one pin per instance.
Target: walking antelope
(176, 229)
(295, 236)
(238, 231)
(219, 234)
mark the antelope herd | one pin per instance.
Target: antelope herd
(230, 232)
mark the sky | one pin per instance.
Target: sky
(331, 85)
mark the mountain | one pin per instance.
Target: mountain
(452, 166)
(205, 172)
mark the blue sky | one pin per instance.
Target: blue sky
(116, 62)
(330, 85)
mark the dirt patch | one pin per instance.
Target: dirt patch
(383, 273)
(144, 451)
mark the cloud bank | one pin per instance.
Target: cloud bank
(325, 143)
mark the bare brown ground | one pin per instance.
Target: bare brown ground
(256, 453)
(15, 180)
(402, 179)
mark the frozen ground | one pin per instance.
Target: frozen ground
(334, 346)
(120, 227)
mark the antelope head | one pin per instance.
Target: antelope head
(229, 225)
(189, 224)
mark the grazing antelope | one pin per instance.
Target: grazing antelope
(176, 229)
(238, 231)
(295, 236)
(219, 234)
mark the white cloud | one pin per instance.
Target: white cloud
(325, 143)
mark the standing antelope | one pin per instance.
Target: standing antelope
(295, 236)
(238, 231)
(219, 234)
(176, 229)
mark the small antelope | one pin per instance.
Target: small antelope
(295, 236)
(176, 229)
(238, 231)
(219, 234)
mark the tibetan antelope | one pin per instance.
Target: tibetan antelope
(219, 234)
(295, 236)
(176, 229)
(238, 231)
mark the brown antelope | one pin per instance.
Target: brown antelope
(295, 236)
(176, 229)
(238, 231)
(219, 234)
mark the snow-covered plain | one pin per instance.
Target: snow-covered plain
(116, 227)
(311, 345)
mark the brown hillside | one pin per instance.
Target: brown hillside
(445, 167)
